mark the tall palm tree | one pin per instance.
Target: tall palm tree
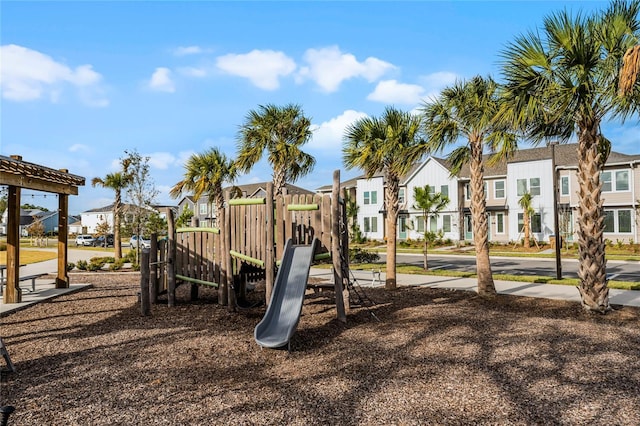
(391, 144)
(565, 80)
(468, 110)
(527, 210)
(205, 174)
(281, 131)
(117, 181)
(431, 204)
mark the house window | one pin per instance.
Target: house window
(534, 187)
(444, 190)
(522, 187)
(367, 199)
(433, 224)
(420, 220)
(401, 199)
(446, 223)
(203, 208)
(498, 189)
(467, 191)
(486, 190)
(621, 182)
(374, 197)
(535, 222)
(617, 221)
(564, 185)
(371, 224)
(499, 223)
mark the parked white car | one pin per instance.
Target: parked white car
(84, 240)
(144, 243)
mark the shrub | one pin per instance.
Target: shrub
(116, 265)
(70, 266)
(94, 266)
(358, 255)
(82, 265)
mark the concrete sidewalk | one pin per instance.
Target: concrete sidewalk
(545, 291)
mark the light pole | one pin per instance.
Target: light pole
(556, 225)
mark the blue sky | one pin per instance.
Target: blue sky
(84, 81)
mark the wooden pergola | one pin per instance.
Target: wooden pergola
(18, 174)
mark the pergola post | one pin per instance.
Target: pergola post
(62, 280)
(12, 291)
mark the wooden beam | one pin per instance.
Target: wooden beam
(338, 270)
(36, 184)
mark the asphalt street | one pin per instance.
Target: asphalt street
(617, 270)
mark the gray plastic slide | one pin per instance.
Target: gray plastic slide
(282, 316)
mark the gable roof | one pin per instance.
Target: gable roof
(566, 157)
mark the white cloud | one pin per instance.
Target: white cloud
(329, 67)
(161, 160)
(327, 136)
(435, 82)
(188, 50)
(161, 80)
(78, 147)
(198, 72)
(27, 75)
(392, 92)
(262, 67)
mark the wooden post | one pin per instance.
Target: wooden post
(344, 254)
(270, 260)
(153, 270)
(62, 280)
(12, 291)
(193, 261)
(171, 260)
(231, 295)
(145, 302)
(335, 246)
(221, 258)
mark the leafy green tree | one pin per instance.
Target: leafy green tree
(564, 80)
(205, 174)
(156, 224)
(185, 217)
(527, 212)
(28, 206)
(391, 144)
(117, 181)
(141, 191)
(468, 110)
(352, 217)
(430, 204)
(281, 132)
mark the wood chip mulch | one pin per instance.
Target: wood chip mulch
(435, 357)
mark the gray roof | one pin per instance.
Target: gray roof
(566, 156)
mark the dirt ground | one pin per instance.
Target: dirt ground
(434, 357)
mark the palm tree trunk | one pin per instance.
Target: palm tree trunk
(591, 249)
(391, 200)
(527, 230)
(117, 246)
(486, 287)
(279, 180)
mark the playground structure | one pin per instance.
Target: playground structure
(248, 245)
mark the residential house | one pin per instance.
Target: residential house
(204, 210)
(527, 170)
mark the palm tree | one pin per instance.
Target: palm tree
(391, 144)
(205, 174)
(117, 181)
(468, 110)
(431, 204)
(565, 80)
(281, 131)
(527, 211)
